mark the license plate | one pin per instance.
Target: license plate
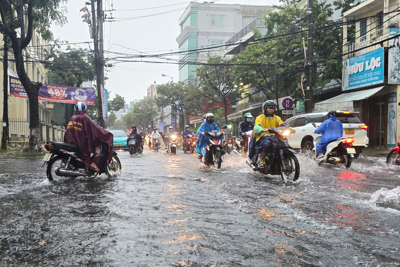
(47, 157)
(229, 145)
(349, 131)
(118, 144)
(351, 150)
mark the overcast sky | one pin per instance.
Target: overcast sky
(148, 35)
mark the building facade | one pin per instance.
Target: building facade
(371, 72)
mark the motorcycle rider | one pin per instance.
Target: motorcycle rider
(89, 137)
(154, 135)
(244, 127)
(198, 150)
(227, 133)
(264, 142)
(331, 130)
(169, 133)
(208, 126)
(185, 135)
(134, 135)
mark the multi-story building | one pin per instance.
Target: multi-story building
(371, 76)
(206, 25)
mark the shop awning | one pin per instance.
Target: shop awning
(352, 96)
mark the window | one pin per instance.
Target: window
(351, 118)
(217, 20)
(379, 24)
(363, 30)
(290, 122)
(301, 121)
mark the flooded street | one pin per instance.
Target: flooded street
(169, 210)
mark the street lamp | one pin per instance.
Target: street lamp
(164, 75)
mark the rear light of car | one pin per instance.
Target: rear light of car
(349, 141)
(364, 127)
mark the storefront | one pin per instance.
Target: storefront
(367, 90)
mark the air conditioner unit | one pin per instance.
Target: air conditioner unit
(393, 23)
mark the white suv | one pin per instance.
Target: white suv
(303, 135)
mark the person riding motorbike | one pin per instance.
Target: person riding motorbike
(154, 135)
(169, 133)
(185, 135)
(227, 133)
(263, 142)
(134, 135)
(90, 138)
(208, 126)
(244, 127)
(331, 130)
(198, 150)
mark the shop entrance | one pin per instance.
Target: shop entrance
(378, 113)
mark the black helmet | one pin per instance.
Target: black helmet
(269, 104)
(331, 113)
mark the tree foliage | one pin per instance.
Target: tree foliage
(111, 120)
(143, 113)
(117, 103)
(70, 68)
(19, 18)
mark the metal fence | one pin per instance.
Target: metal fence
(19, 131)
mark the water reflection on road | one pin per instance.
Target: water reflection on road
(170, 210)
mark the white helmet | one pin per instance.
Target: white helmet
(209, 115)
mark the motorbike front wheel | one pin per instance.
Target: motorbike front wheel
(291, 171)
(173, 150)
(217, 157)
(390, 160)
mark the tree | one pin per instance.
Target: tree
(111, 120)
(217, 81)
(70, 68)
(143, 113)
(18, 19)
(117, 103)
(174, 95)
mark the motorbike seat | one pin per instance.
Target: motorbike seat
(71, 147)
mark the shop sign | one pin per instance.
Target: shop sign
(364, 70)
(234, 116)
(394, 66)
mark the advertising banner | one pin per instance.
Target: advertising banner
(364, 70)
(394, 32)
(392, 120)
(394, 65)
(236, 115)
(55, 93)
(104, 103)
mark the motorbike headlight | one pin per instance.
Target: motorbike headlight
(286, 132)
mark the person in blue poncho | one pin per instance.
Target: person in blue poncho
(208, 126)
(331, 130)
(197, 142)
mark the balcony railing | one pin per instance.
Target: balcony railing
(258, 23)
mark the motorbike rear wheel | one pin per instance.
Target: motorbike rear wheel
(114, 167)
(53, 165)
(390, 158)
(292, 170)
(347, 161)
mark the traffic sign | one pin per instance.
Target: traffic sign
(287, 111)
(287, 103)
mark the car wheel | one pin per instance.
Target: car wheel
(307, 145)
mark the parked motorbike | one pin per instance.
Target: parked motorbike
(242, 145)
(283, 162)
(173, 143)
(214, 150)
(134, 147)
(190, 144)
(64, 160)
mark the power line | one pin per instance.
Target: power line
(147, 8)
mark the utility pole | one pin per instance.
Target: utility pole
(100, 25)
(4, 137)
(97, 36)
(310, 66)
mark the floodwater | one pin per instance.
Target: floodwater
(169, 210)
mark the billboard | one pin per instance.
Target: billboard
(364, 70)
(394, 65)
(392, 120)
(55, 93)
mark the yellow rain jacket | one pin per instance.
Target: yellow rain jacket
(266, 123)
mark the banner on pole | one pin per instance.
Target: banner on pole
(104, 104)
(56, 93)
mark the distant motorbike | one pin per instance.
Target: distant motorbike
(156, 144)
(242, 143)
(134, 146)
(189, 144)
(64, 160)
(214, 149)
(173, 143)
(228, 145)
(283, 162)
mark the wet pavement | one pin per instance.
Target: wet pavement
(169, 210)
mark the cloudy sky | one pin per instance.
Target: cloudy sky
(138, 30)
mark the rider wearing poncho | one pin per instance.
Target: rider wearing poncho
(208, 126)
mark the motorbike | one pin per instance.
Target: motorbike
(173, 144)
(64, 160)
(214, 149)
(238, 143)
(190, 144)
(156, 144)
(283, 161)
(134, 147)
(338, 151)
(228, 145)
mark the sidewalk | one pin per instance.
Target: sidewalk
(376, 152)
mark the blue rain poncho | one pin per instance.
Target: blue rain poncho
(202, 140)
(331, 129)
